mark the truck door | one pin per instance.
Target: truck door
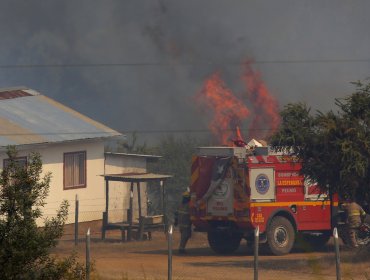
(315, 209)
(220, 203)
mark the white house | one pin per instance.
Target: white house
(71, 146)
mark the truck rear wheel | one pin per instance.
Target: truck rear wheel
(223, 242)
(280, 236)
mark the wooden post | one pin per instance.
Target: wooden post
(104, 226)
(337, 256)
(139, 197)
(170, 252)
(88, 255)
(106, 195)
(123, 235)
(130, 213)
(76, 219)
(164, 205)
(141, 220)
(161, 195)
(105, 214)
(256, 244)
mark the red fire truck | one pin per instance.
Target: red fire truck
(233, 190)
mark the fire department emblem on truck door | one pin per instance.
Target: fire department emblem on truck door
(262, 184)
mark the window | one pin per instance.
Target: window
(20, 161)
(74, 170)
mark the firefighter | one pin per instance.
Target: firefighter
(182, 219)
(355, 216)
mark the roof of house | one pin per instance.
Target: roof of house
(28, 117)
(150, 158)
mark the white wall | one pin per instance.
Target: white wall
(119, 192)
(92, 198)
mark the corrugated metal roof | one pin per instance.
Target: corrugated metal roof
(27, 117)
(136, 177)
(148, 157)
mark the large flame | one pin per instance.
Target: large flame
(228, 111)
(266, 117)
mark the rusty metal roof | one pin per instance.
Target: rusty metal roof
(28, 117)
(9, 94)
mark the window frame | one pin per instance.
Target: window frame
(5, 160)
(64, 171)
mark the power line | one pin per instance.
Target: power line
(193, 130)
(159, 131)
(152, 64)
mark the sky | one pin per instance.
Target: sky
(137, 65)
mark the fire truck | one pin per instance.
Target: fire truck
(234, 190)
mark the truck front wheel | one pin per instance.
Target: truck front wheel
(280, 236)
(224, 242)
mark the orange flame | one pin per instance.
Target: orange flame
(266, 119)
(238, 134)
(227, 109)
(239, 141)
(230, 111)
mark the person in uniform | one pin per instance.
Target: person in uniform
(182, 219)
(355, 216)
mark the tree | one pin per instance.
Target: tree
(176, 155)
(334, 147)
(24, 247)
(129, 145)
(176, 160)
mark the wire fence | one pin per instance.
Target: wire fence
(254, 265)
(86, 216)
(84, 213)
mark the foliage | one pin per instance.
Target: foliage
(176, 156)
(176, 153)
(132, 145)
(24, 247)
(176, 160)
(335, 146)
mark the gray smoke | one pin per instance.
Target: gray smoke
(317, 49)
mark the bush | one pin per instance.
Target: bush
(24, 247)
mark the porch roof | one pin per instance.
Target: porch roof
(136, 177)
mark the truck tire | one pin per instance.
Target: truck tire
(223, 242)
(280, 236)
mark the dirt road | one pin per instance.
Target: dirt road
(149, 260)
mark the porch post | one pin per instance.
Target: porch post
(130, 216)
(139, 197)
(105, 214)
(106, 195)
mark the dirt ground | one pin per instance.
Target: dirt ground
(149, 259)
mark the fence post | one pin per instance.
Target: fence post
(130, 214)
(170, 230)
(88, 254)
(337, 256)
(76, 219)
(104, 227)
(256, 244)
